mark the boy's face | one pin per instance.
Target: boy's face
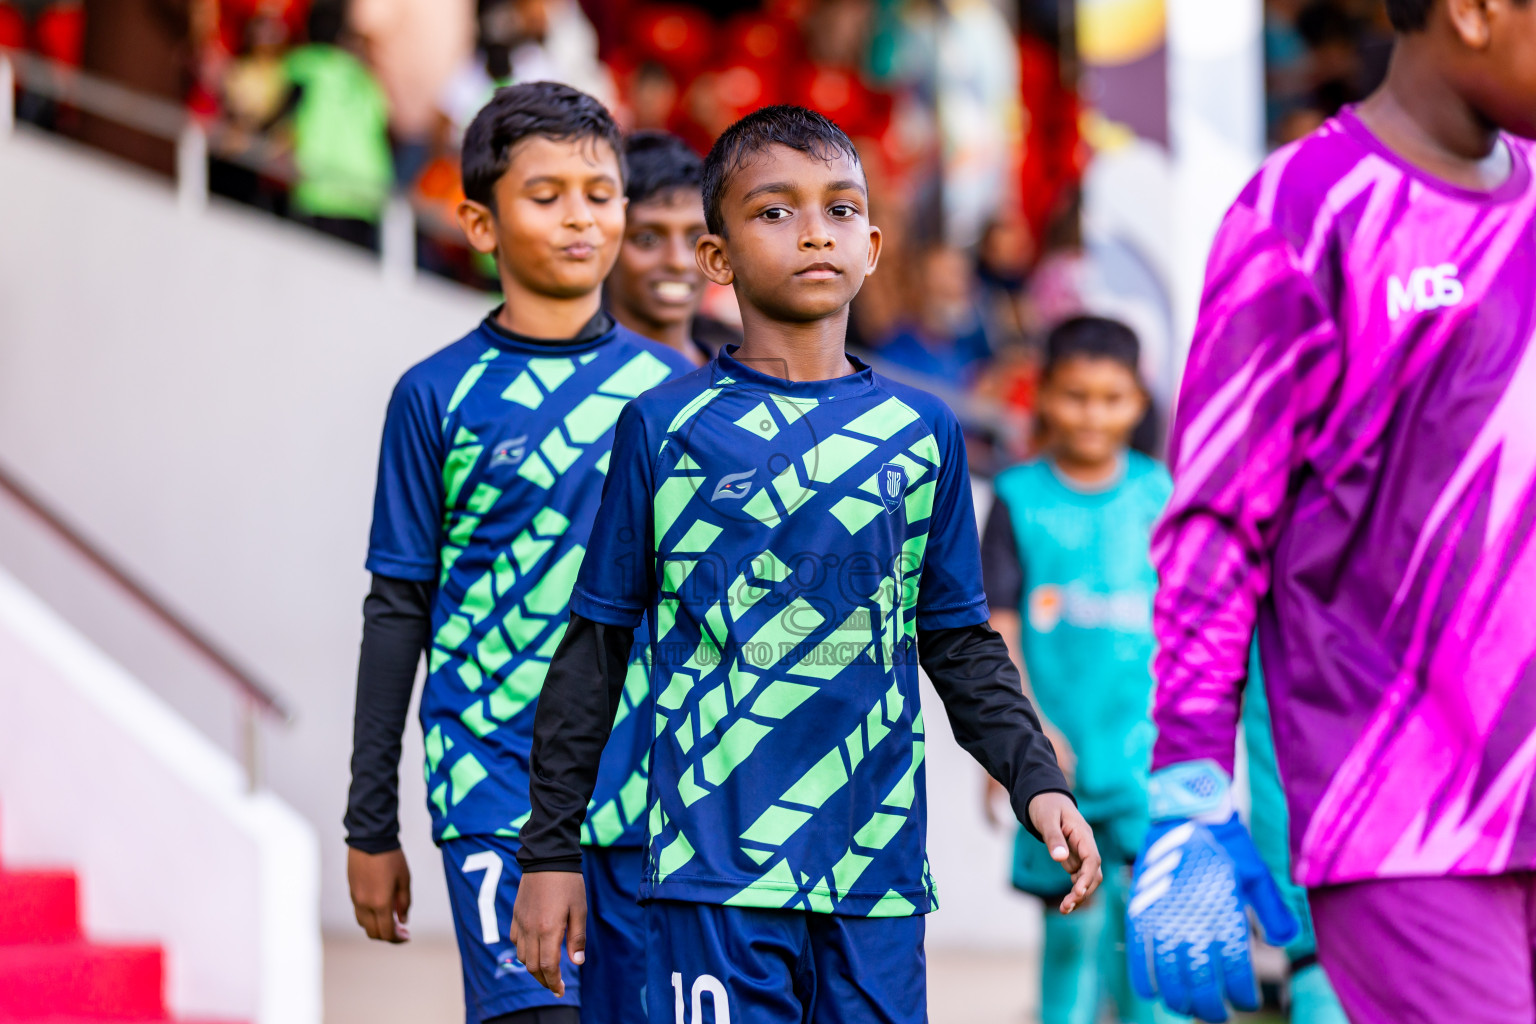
(657, 280)
(558, 220)
(1090, 407)
(797, 242)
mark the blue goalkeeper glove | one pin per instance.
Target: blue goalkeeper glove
(1186, 926)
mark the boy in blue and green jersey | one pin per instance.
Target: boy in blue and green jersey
(1070, 584)
(798, 532)
(491, 467)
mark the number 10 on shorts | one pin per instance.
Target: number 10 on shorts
(704, 983)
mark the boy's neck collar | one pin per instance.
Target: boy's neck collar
(1514, 184)
(800, 350)
(1425, 124)
(1090, 488)
(759, 376)
(594, 331)
(676, 336)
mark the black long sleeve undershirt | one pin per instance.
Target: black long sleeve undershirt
(969, 666)
(397, 627)
(991, 718)
(581, 695)
(397, 624)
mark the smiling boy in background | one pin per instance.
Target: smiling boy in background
(656, 285)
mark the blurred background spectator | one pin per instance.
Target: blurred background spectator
(339, 131)
(942, 335)
(1320, 55)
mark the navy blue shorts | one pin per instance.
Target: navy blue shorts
(482, 885)
(708, 964)
(613, 978)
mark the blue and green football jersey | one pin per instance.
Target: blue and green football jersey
(490, 473)
(785, 541)
(1086, 607)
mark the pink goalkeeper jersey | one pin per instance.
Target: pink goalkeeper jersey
(1354, 463)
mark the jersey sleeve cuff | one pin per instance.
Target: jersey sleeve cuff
(382, 564)
(973, 614)
(374, 844)
(1197, 790)
(606, 612)
(1008, 600)
(533, 865)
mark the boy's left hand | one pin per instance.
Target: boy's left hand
(550, 906)
(1070, 841)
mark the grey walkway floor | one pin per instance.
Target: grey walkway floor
(366, 983)
(418, 983)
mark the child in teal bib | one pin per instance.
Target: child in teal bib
(1070, 586)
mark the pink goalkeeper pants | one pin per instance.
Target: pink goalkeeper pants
(1431, 950)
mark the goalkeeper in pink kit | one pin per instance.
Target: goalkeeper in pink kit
(1355, 478)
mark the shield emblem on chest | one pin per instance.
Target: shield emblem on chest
(893, 485)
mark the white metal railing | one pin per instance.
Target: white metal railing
(7, 96)
(194, 139)
(254, 697)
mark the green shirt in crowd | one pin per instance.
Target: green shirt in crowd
(340, 135)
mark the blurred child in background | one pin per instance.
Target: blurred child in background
(656, 286)
(1070, 586)
(943, 337)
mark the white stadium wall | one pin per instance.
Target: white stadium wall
(202, 395)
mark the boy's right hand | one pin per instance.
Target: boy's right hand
(1070, 841)
(551, 905)
(381, 893)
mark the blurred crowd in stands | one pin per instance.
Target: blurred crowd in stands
(1318, 56)
(964, 111)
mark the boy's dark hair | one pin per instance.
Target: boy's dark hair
(1409, 15)
(545, 109)
(780, 125)
(1413, 15)
(1321, 23)
(1092, 337)
(327, 21)
(659, 162)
